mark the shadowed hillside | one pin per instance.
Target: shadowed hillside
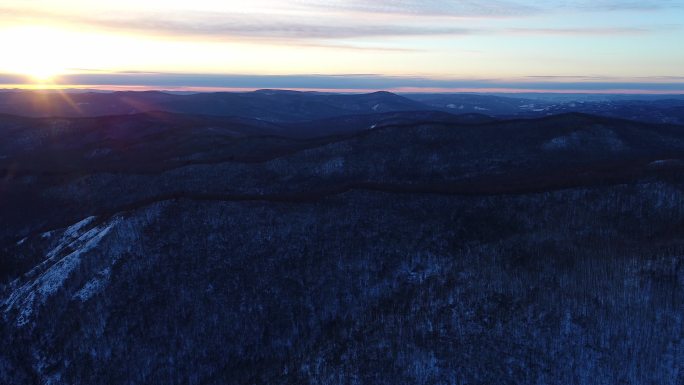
(389, 248)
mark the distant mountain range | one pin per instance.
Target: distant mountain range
(291, 106)
(664, 110)
(267, 105)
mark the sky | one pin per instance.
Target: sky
(598, 46)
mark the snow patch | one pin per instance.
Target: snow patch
(376, 107)
(75, 244)
(453, 106)
(94, 286)
(98, 152)
(557, 143)
(21, 242)
(666, 163)
(54, 278)
(72, 230)
(605, 140)
(26, 310)
(333, 166)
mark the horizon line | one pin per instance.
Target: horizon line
(350, 83)
(398, 90)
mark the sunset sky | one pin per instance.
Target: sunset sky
(404, 45)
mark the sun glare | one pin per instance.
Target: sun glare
(36, 52)
(43, 74)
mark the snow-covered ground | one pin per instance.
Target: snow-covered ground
(61, 261)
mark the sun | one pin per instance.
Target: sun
(35, 52)
(43, 74)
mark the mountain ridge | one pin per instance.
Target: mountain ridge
(403, 248)
(286, 106)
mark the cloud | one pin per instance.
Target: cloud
(327, 23)
(622, 5)
(487, 8)
(316, 31)
(232, 26)
(472, 8)
(226, 26)
(583, 31)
